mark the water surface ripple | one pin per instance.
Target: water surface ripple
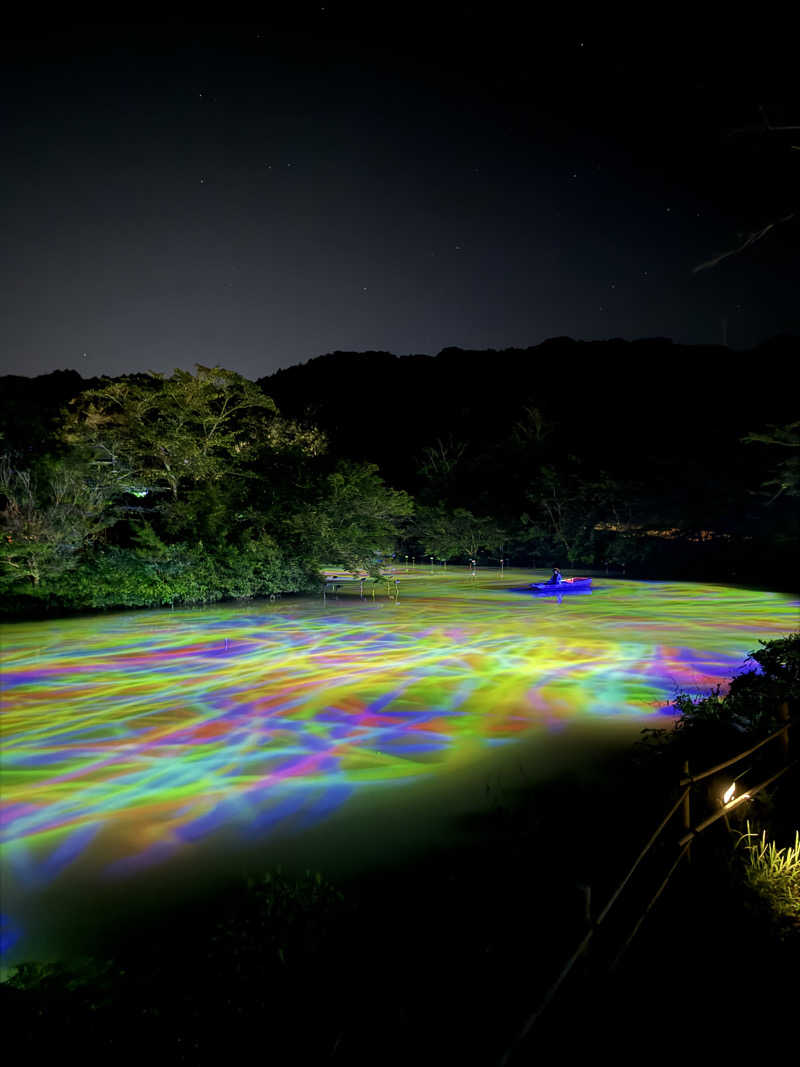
(158, 728)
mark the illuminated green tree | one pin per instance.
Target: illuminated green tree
(445, 534)
(47, 519)
(163, 433)
(352, 519)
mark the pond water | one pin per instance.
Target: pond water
(148, 754)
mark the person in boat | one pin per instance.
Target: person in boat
(557, 578)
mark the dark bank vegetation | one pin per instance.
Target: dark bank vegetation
(148, 490)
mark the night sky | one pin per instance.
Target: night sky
(255, 195)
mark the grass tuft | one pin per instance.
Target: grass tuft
(773, 873)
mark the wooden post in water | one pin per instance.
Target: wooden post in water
(687, 810)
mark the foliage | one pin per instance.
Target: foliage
(752, 701)
(185, 489)
(160, 433)
(532, 428)
(177, 444)
(579, 516)
(439, 464)
(353, 518)
(750, 708)
(277, 919)
(54, 978)
(48, 517)
(786, 475)
(445, 534)
(773, 873)
(154, 574)
(756, 694)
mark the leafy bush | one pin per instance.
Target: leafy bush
(276, 920)
(711, 724)
(154, 574)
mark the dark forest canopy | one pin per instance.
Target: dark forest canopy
(647, 457)
(644, 435)
(607, 395)
(645, 389)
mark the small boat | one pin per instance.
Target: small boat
(566, 585)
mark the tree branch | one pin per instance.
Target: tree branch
(751, 240)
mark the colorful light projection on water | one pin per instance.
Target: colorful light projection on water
(157, 729)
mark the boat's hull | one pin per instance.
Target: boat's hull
(568, 585)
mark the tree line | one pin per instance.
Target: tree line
(149, 489)
(183, 489)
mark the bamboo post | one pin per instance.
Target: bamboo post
(646, 912)
(693, 779)
(593, 927)
(687, 809)
(586, 890)
(751, 792)
(783, 715)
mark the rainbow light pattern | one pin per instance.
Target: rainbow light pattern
(157, 729)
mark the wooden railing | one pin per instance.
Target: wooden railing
(684, 803)
(689, 780)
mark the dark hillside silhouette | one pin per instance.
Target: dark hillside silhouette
(631, 403)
